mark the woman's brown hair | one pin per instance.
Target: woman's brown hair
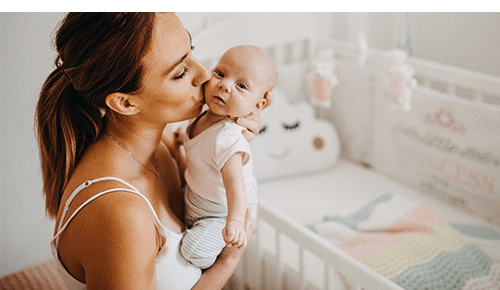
(98, 54)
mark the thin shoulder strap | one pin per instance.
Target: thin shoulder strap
(86, 184)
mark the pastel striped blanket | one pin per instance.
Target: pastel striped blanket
(407, 243)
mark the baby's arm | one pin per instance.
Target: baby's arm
(234, 231)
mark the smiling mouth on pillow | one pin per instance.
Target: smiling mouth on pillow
(282, 155)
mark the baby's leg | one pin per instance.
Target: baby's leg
(203, 242)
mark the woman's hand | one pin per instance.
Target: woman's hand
(253, 121)
(174, 142)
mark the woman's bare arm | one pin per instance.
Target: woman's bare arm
(118, 249)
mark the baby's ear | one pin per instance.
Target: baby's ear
(269, 97)
(266, 101)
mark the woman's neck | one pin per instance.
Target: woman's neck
(141, 142)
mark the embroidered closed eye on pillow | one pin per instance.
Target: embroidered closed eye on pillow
(292, 141)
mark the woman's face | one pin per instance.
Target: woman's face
(172, 83)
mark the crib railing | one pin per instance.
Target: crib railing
(457, 81)
(287, 255)
(268, 263)
(448, 79)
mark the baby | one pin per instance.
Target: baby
(220, 182)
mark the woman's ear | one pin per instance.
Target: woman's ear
(121, 103)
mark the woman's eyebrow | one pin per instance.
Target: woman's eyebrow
(176, 64)
(190, 39)
(182, 58)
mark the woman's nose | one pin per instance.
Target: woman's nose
(202, 74)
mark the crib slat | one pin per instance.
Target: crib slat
(256, 262)
(280, 261)
(355, 270)
(279, 56)
(326, 286)
(302, 268)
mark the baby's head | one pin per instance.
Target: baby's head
(241, 82)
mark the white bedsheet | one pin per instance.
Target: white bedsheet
(343, 189)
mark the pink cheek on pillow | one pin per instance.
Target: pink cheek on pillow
(318, 143)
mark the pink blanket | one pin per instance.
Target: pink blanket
(410, 245)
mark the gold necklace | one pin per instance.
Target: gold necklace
(156, 172)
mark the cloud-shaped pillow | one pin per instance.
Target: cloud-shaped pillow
(292, 141)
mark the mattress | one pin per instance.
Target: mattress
(343, 189)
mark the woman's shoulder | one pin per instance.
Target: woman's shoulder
(121, 216)
(121, 199)
(111, 206)
(108, 198)
(117, 226)
(122, 238)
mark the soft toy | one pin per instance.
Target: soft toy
(323, 78)
(399, 79)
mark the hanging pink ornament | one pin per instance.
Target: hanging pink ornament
(399, 78)
(323, 78)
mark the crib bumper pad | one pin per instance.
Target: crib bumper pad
(410, 245)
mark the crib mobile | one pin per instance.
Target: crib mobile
(323, 78)
(399, 79)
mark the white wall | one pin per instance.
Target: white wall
(26, 59)
(467, 40)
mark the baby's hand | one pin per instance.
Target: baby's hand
(234, 234)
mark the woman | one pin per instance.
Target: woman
(110, 182)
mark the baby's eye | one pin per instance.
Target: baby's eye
(242, 86)
(219, 74)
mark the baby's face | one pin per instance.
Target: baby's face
(238, 84)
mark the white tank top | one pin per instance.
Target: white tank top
(172, 270)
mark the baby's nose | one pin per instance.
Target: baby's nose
(224, 87)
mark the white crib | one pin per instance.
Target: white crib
(383, 150)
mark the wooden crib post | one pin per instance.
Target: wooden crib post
(327, 278)
(302, 269)
(279, 279)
